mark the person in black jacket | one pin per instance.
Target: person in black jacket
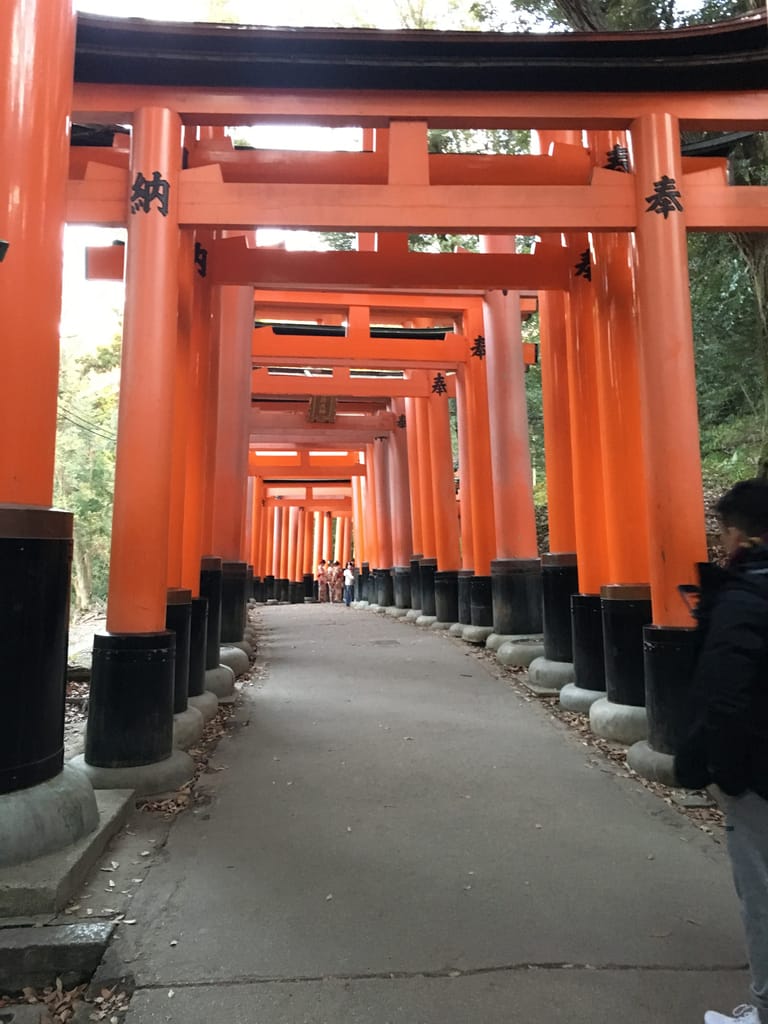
(728, 743)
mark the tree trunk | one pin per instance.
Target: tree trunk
(81, 574)
(754, 248)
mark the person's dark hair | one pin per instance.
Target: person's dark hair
(745, 506)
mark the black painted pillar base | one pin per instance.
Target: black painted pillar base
(198, 628)
(210, 588)
(428, 568)
(178, 619)
(401, 585)
(447, 596)
(249, 588)
(481, 601)
(385, 591)
(670, 654)
(233, 601)
(516, 595)
(588, 654)
(626, 610)
(130, 709)
(416, 580)
(35, 563)
(559, 580)
(365, 583)
(269, 588)
(296, 592)
(308, 586)
(465, 596)
(282, 590)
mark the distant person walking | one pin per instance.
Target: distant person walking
(335, 582)
(728, 743)
(349, 583)
(322, 581)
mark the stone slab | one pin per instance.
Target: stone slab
(413, 614)
(44, 885)
(521, 994)
(441, 627)
(426, 621)
(36, 957)
(457, 629)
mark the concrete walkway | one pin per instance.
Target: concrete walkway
(400, 839)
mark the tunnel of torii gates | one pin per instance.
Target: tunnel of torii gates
(278, 407)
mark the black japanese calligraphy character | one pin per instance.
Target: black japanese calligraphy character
(665, 198)
(145, 192)
(201, 259)
(618, 159)
(439, 386)
(584, 267)
(401, 420)
(478, 347)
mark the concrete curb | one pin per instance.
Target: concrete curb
(397, 613)
(426, 621)
(476, 634)
(519, 653)
(620, 722)
(234, 658)
(652, 765)
(144, 779)
(206, 703)
(457, 629)
(36, 957)
(220, 681)
(550, 675)
(575, 698)
(441, 626)
(412, 614)
(187, 727)
(41, 819)
(44, 885)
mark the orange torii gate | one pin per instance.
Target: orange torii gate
(182, 465)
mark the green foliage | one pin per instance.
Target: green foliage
(341, 241)
(85, 462)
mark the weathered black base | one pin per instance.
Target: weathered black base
(416, 581)
(269, 588)
(210, 588)
(516, 595)
(625, 611)
(309, 586)
(366, 581)
(385, 591)
(282, 590)
(481, 601)
(669, 660)
(587, 625)
(465, 596)
(130, 710)
(559, 580)
(428, 570)
(401, 585)
(447, 596)
(296, 592)
(197, 638)
(178, 619)
(234, 601)
(35, 562)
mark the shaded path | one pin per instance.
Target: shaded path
(400, 838)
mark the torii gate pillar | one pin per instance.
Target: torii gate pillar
(129, 741)
(37, 46)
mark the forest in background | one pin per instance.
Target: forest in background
(729, 299)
